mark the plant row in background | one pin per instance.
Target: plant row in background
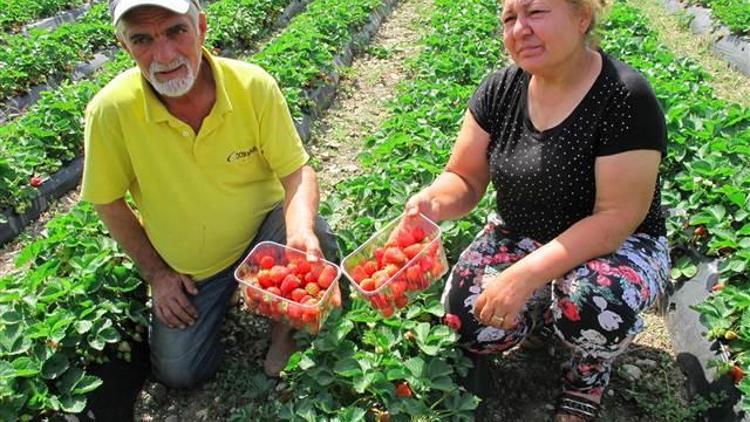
(30, 59)
(735, 14)
(706, 177)
(403, 368)
(77, 272)
(50, 133)
(16, 13)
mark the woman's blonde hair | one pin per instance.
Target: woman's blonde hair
(597, 8)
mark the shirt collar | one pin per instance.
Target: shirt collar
(156, 111)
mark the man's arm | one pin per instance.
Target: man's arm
(171, 305)
(300, 210)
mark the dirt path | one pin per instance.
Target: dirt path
(729, 84)
(357, 112)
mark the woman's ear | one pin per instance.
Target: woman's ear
(585, 19)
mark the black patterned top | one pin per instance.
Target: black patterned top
(545, 180)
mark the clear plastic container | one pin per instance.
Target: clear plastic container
(304, 310)
(397, 277)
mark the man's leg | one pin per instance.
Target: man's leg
(185, 358)
(273, 229)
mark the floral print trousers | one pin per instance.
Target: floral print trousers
(594, 308)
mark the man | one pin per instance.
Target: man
(208, 150)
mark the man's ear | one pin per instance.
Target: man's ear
(122, 43)
(202, 26)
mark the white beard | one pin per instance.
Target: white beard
(174, 87)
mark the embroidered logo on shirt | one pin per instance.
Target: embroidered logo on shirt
(241, 155)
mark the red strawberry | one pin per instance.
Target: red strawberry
(290, 283)
(327, 276)
(398, 287)
(370, 267)
(404, 238)
(380, 278)
(359, 274)
(303, 267)
(452, 321)
(418, 234)
(311, 278)
(274, 290)
(379, 252)
(403, 389)
(279, 273)
(312, 289)
(367, 285)
(264, 279)
(266, 262)
(700, 231)
(387, 310)
(414, 276)
(400, 301)
(298, 294)
(36, 181)
(737, 374)
(413, 250)
(293, 311)
(394, 256)
(391, 269)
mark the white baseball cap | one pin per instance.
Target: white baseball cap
(117, 8)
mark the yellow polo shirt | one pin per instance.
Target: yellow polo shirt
(201, 197)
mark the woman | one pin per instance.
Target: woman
(572, 140)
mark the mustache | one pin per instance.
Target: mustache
(156, 67)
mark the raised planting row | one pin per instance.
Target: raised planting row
(361, 366)
(735, 14)
(50, 134)
(706, 177)
(16, 13)
(30, 59)
(76, 299)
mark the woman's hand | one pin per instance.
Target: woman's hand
(423, 203)
(502, 300)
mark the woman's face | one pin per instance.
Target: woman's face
(541, 34)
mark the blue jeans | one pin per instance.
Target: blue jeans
(186, 358)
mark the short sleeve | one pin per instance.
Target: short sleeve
(484, 101)
(107, 170)
(281, 144)
(633, 120)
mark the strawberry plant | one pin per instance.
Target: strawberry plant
(705, 174)
(29, 59)
(735, 14)
(15, 13)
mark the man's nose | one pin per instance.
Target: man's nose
(164, 50)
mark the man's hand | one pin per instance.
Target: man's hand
(305, 241)
(171, 305)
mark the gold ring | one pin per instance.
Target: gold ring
(498, 320)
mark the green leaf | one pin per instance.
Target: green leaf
(82, 327)
(88, 384)
(55, 366)
(416, 366)
(347, 368)
(73, 403)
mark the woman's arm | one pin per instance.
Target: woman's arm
(625, 185)
(463, 182)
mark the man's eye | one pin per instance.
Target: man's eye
(508, 19)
